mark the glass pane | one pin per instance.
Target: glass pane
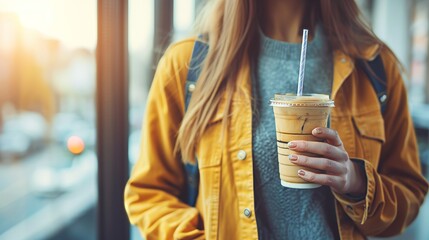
(48, 163)
(184, 15)
(419, 65)
(140, 41)
(419, 98)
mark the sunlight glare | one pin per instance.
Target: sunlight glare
(73, 22)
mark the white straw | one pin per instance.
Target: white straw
(302, 62)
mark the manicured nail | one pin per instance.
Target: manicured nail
(293, 158)
(317, 131)
(301, 172)
(291, 145)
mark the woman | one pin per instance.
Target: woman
(372, 185)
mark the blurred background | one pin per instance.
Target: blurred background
(50, 176)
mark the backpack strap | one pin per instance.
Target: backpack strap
(199, 53)
(192, 172)
(376, 74)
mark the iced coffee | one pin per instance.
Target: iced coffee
(295, 118)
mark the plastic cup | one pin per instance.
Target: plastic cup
(295, 118)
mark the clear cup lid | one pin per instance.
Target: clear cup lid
(308, 100)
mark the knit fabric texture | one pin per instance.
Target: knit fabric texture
(285, 213)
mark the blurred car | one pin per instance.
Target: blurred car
(21, 134)
(51, 181)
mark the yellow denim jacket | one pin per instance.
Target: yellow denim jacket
(225, 205)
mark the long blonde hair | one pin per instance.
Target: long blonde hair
(232, 27)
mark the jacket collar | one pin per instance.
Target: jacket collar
(344, 66)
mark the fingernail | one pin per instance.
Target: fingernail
(317, 131)
(301, 172)
(293, 158)
(291, 145)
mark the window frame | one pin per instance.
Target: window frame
(112, 118)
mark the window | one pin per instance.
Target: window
(47, 119)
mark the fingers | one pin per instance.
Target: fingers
(327, 165)
(333, 181)
(330, 135)
(320, 148)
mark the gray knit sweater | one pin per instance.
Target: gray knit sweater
(284, 213)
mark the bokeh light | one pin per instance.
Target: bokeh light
(75, 145)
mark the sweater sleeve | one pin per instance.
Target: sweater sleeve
(157, 180)
(396, 188)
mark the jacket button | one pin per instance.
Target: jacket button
(241, 155)
(247, 212)
(191, 87)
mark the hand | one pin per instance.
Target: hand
(339, 172)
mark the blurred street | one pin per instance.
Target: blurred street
(47, 202)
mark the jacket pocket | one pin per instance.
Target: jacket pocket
(370, 135)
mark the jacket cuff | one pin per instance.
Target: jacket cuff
(357, 207)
